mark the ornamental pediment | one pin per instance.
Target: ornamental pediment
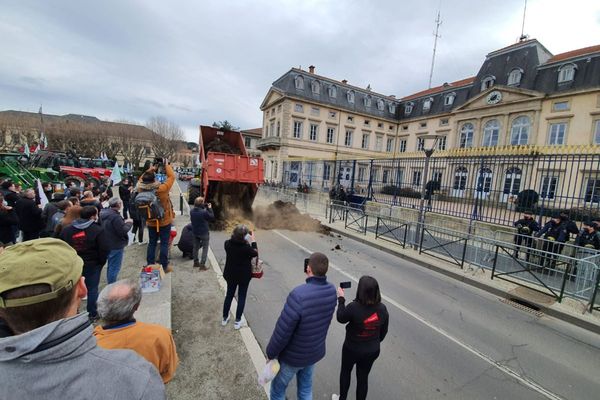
(499, 95)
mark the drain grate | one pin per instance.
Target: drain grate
(523, 306)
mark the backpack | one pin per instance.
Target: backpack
(148, 206)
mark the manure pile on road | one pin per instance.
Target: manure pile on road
(284, 215)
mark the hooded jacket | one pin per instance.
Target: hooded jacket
(238, 268)
(301, 330)
(61, 360)
(162, 192)
(115, 229)
(89, 241)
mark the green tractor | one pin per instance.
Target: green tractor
(11, 167)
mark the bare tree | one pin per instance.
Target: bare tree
(167, 139)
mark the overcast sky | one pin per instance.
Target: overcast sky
(195, 62)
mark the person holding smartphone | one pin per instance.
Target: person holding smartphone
(366, 320)
(238, 271)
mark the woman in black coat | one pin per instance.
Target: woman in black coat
(8, 222)
(238, 271)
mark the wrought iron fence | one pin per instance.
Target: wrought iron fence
(491, 185)
(557, 270)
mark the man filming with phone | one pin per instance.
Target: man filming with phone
(298, 341)
(155, 209)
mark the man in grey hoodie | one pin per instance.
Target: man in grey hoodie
(47, 350)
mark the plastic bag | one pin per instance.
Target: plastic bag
(269, 372)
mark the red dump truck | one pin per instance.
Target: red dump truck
(229, 178)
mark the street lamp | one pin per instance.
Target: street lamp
(429, 143)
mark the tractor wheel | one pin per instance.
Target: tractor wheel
(193, 192)
(196, 182)
(74, 179)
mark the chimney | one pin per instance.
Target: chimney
(344, 81)
(311, 69)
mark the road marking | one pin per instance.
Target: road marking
(524, 380)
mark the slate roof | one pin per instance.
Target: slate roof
(286, 84)
(442, 88)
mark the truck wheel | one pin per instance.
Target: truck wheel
(73, 179)
(196, 182)
(193, 192)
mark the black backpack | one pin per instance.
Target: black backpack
(148, 206)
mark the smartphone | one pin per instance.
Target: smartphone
(306, 265)
(345, 285)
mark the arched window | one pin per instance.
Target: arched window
(449, 99)
(408, 107)
(332, 90)
(484, 182)
(392, 108)
(519, 132)
(491, 132)
(466, 136)
(350, 96)
(367, 101)
(380, 105)
(460, 178)
(514, 77)
(299, 82)
(487, 82)
(566, 72)
(315, 87)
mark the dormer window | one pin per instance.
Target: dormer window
(380, 105)
(332, 91)
(487, 82)
(367, 101)
(392, 108)
(408, 107)
(449, 99)
(299, 82)
(427, 104)
(566, 73)
(514, 78)
(315, 87)
(350, 96)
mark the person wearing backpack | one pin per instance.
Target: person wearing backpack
(155, 209)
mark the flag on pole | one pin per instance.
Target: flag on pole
(42, 194)
(37, 149)
(44, 141)
(115, 175)
(26, 150)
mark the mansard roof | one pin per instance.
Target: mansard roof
(286, 85)
(441, 88)
(574, 53)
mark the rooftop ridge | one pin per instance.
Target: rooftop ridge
(441, 88)
(574, 53)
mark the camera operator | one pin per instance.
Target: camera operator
(200, 216)
(159, 228)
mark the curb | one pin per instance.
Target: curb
(256, 355)
(566, 317)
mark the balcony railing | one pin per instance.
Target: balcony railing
(271, 142)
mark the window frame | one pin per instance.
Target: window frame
(299, 82)
(330, 135)
(348, 138)
(402, 145)
(299, 108)
(487, 82)
(518, 130)
(491, 132)
(408, 108)
(463, 141)
(449, 99)
(550, 186)
(379, 143)
(365, 137)
(427, 103)
(389, 145)
(551, 133)
(596, 132)
(514, 77)
(332, 91)
(350, 96)
(566, 73)
(315, 87)
(313, 132)
(297, 130)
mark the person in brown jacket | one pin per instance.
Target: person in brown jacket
(116, 305)
(159, 228)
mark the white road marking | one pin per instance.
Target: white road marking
(522, 379)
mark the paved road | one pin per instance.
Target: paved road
(446, 340)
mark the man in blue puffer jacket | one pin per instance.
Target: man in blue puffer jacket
(298, 341)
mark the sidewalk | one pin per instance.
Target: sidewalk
(570, 310)
(214, 360)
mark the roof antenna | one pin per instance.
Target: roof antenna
(523, 35)
(438, 22)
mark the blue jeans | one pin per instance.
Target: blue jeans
(115, 259)
(91, 273)
(285, 375)
(164, 234)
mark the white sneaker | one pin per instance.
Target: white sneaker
(335, 397)
(238, 325)
(225, 321)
